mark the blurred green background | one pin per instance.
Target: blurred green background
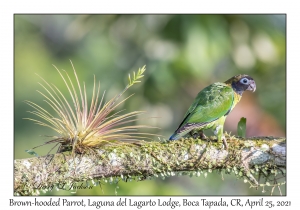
(183, 54)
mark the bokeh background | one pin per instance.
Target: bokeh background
(183, 54)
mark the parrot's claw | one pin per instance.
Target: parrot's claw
(195, 135)
(198, 134)
(202, 135)
(225, 143)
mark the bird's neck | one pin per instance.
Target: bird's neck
(237, 97)
(237, 89)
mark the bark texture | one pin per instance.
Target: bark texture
(250, 158)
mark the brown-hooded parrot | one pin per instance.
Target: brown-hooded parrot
(212, 105)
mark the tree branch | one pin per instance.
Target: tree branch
(249, 158)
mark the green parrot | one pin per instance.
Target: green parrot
(212, 105)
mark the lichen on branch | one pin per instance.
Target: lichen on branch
(260, 161)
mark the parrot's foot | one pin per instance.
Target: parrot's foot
(198, 134)
(202, 135)
(224, 142)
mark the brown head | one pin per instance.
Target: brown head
(241, 83)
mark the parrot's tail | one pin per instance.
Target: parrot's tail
(180, 133)
(175, 136)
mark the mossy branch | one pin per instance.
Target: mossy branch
(248, 158)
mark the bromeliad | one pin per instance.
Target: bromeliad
(81, 126)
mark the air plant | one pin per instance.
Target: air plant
(81, 127)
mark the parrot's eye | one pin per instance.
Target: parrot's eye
(244, 81)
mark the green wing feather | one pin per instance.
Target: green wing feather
(211, 103)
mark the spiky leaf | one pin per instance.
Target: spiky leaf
(80, 125)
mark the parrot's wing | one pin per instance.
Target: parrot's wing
(210, 104)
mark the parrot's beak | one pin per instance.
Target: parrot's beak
(252, 86)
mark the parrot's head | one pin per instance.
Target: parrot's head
(241, 83)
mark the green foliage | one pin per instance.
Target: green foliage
(31, 152)
(241, 129)
(136, 76)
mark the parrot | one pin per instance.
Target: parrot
(211, 107)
